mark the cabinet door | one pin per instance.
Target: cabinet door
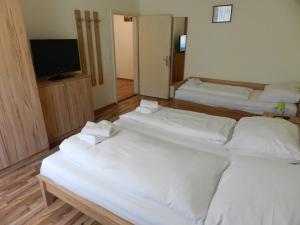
(22, 127)
(55, 110)
(79, 100)
(178, 67)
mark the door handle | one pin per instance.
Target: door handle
(167, 61)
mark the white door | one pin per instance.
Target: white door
(155, 41)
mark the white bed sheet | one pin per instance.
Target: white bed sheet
(88, 185)
(251, 105)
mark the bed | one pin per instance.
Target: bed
(231, 106)
(71, 176)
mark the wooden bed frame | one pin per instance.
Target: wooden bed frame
(218, 111)
(51, 191)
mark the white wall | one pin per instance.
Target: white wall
(55, 19)
(124, 48)
(178, 29)
(262, 44)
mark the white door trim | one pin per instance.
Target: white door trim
(136, 52)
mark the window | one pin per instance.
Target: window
(222, 13)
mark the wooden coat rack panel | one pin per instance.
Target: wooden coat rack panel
(92, 47)
(98, 47)
(79, 21)
(87, 16)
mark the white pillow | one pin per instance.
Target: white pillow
(287, 93)
(266, 137)
(193, 82)
(257, 192)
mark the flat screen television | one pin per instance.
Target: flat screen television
(182, 43)
(53, 58)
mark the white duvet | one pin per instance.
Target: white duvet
(179, 178)
(219, 89)
(187, 124)
(257, 192)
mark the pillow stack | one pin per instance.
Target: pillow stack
(94, 133)
(148, 107)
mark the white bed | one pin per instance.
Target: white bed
(251, 105)
(112, 174)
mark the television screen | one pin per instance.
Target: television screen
(182, 43)
(55, 56)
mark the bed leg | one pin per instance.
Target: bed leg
(47, 197)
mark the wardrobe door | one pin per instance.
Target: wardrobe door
(22, 127)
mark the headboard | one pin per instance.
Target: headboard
(255, 86)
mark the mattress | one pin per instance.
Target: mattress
(88, 185)
(251, 105)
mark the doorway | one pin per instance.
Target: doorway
(180, 27)
(126, 56)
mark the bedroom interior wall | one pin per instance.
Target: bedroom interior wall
(55, 19)
(260, 45)
(178, 29)
(124, 48)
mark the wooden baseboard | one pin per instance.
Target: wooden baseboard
(125, 79)
(101, 110)
(57, 141)
(27, 161)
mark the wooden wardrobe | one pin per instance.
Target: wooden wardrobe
(22, 127)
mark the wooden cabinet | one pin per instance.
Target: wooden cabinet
(67, 105)
(22, 127)
(79, 102)
(55, 111)
(178, 67)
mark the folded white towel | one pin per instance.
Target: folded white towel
(103, 129)
(149, 104)
(146, 110)
(91, 139)
(73, 144)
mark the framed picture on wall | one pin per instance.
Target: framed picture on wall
(222, 13)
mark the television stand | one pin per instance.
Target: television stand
(58, 77)
(67, 106)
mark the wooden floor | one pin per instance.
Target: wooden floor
(20, 195)
(112, 112)
(125, 88)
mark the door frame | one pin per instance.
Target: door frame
(136, 52)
